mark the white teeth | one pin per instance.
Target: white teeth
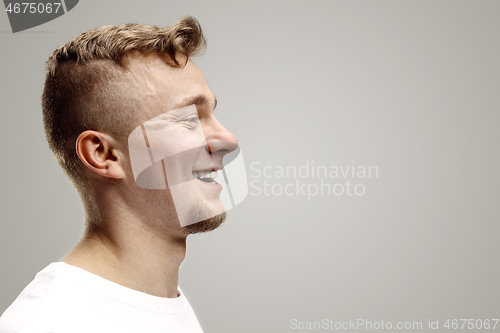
(205, 174)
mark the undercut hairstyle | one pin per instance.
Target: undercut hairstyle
(87, 86)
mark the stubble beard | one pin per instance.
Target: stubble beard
(206, 225)
(205, 217)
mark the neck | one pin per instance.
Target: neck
(131, 253)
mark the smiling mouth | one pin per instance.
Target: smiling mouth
(206, 176)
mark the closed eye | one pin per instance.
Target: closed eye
(192, 120)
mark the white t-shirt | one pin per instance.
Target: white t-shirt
(66, 299)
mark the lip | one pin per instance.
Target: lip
(211, 179)
(210, 185)
(213, 185)
(209, 169)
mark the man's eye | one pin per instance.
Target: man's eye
(192, 120)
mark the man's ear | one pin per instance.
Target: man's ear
(100, 153)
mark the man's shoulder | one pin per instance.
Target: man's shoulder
(49, 303)
(26, 308)
(63, 298)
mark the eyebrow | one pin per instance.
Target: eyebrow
(201, 100)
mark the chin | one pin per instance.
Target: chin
(209, 224)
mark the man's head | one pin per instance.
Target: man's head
(107, 82)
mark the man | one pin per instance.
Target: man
(101, 88)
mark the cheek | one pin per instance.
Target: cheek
(185, 146)
(165, 151)
(179, 167)
(182, 141)
(191, 138)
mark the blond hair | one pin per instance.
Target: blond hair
(87, 87)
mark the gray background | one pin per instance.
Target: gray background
(409, 86)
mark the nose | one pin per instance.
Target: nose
(219, 140)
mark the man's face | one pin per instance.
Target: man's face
(185, 142)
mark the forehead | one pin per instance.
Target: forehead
(160, 87)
